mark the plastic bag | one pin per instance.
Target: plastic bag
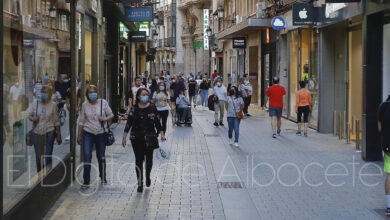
(198, 100)
(164, 150)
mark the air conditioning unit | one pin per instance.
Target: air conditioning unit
(260, 9)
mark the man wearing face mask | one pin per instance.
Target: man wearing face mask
(62, 86)
(38, 88)
(221, 92)
(246, 91)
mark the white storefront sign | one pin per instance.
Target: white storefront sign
(205, 27)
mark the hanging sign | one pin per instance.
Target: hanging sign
(239, 42)
(138, 36)
(139, 14)
(305, 14)
(278, 23)
(206, 13)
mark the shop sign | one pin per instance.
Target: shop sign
(305, 14)
(197, 45)
(139, 14)
(123, 31)
(28, 43)
(206, 14)
(138, 36)
(144, 27)
(239, 42)
(278, 23)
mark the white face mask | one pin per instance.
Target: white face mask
(219, 84)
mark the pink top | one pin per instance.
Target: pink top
(303, 98)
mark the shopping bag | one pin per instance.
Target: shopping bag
(198, 100)
(164, 150)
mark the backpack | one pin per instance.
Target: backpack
(384, 113)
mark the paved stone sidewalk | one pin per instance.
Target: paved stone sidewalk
(206, 178)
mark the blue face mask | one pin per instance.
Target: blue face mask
(162, 88)
(44, 96)
(46, 79)
(144, 99)
(93, 96)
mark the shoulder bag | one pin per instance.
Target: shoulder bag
(151, 140)
(30, 135)
(239, 114)
(109, 135)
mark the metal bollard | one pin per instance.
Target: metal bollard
(348, 135)
(344, 134)
(334, 123)
(357, 133)
(353, 124)
(339, 124)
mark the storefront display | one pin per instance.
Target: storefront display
(30, 72)
(303, 67)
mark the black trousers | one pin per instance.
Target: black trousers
(247, 102)
(163, 115)
(142, 155)
(303, 110)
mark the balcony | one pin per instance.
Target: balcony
(166, 42)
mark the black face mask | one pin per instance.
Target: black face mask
(232, 92)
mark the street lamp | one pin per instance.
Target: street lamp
(220, 12)
(52, 11)
(155, 35)
(209, 32)
(155, 19)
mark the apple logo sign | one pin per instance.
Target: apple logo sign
(303, 14)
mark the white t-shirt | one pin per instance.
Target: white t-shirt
(89, 116)
(220, 92)
(161, 101)
(15, 92)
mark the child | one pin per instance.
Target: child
(183, 108)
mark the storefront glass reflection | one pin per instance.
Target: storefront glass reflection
(36, 64)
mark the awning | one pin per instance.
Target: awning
(244, 28)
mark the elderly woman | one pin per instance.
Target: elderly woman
(94, 112)
(144, 122)
(46, 128)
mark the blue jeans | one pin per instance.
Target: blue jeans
(234, 124)
(99, 141)
(204, 94)
(43, 146)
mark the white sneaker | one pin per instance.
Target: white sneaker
(236, 144)
(230, 141)
(67, 138)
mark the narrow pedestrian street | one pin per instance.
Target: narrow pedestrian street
(290, 177)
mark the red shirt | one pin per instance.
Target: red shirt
(275, 94)
(214, 75)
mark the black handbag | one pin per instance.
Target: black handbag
(109, 135)
(151, 142)
(30, 135)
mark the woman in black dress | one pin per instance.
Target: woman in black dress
(142, 121)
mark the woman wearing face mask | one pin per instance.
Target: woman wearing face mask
(143, 121)
(204, 91)
(94, 112)
(46, 128)
(234, 105)
(161, 99)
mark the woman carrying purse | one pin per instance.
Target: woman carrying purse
(145, 125)
(234, 107)
(93, 113)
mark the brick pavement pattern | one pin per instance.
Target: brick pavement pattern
(206, 178)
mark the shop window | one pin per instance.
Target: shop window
(30, 69)
(294, 41)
